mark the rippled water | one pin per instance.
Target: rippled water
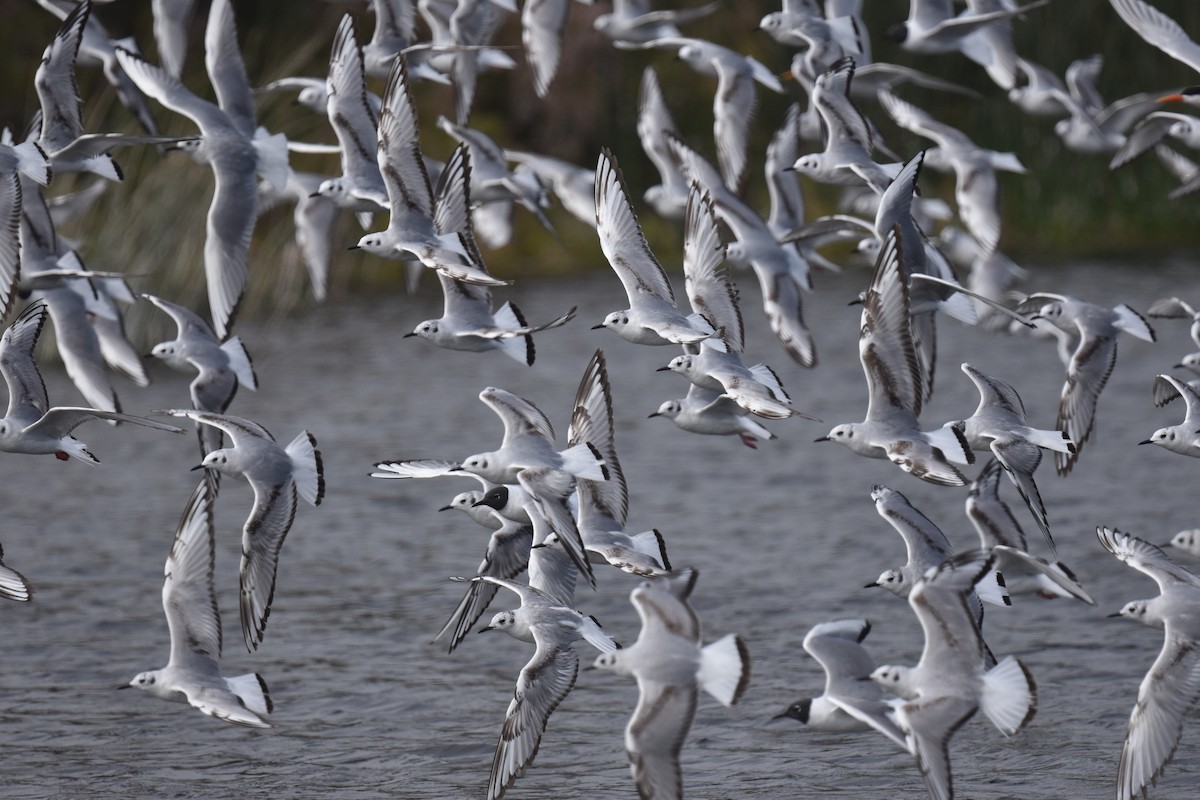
(783, 538)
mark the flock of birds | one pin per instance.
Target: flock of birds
(558, 515)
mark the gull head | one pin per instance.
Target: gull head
(218, 460)
(164, 350)
(333, 188)
(463, 501)
(678, 364)
(893, 678)
(1063, 127)
(475, 464)
(843, 434)
(1139, 611)
(314, 97)
(1163, 437)
(1190, 361)
(426, 330)
(771, 22)
(194, 148)
(808, 164)
(495, 498)
(670, 409)
(1186, 540)
(1180, 130)
(894, 581)
(373, 243)
(503, 621)
(609, 661)
(148, 682)
(798, 711)
(735, 253)
(615, 320)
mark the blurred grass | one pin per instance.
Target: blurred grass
(1068, 206)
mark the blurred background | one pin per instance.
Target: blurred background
(1068, 206)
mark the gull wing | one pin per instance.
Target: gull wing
(622, 240)
(655, 735)
(25, 386)
(223, 60)
(55, 83)
(708, 288)
(410, 193)
(885, 344)
(1145, 558)
(188, 597)
(262, 537)
(1159, 30)
(520, 417)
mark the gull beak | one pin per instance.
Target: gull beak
(536, 546)
(821, 439)
(316, 194)
(663, 369)
(485, 630)
(445, 508)
(125, 686)
(598, 327)
(459, 468)
(1110, 616)
(652, 416)
(198, 466)
(477, 504)
(1146, 442)
(353, 247)
(409, 335)
(1171, 98)
(872, 585)
(855, 302)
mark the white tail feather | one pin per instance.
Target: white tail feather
(307, 469)
(767, 377)
(1051, 440)
(252, 690)
(239, 361)
(75, 449)
(1009, 696)
(585, 461)
(594, 635)
(32, 161)
(519, 348)
(992, 589)
(724, 669)
(945, 440)
(1059, 582)
(651, 543)
(272, 154)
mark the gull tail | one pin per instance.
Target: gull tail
(75, 449)
(31, 160)
(14, 585)
(239, 361)
(1009, 696)
(725, 669)
(594, 635)
(1051, 440)
(584, 461)
(767, 377)
(518, 347)
(651, 543)
(272, 153)
(991, 588)
(252, 690)
(307, 469)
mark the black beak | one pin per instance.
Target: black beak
(1146, 442)
(821, 439)
(445, 508)
(125, 686)
(353, 247)
(409, 335)
(318, 194)
(872, 585)
(663, 369)
(1110, 616)
(652, 416)
(198, 466)
(598, 327)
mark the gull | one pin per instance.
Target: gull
(735, 101)
(781, 271)
(671, 665)
(277, 475)
(193, 672)
(716, 363)
(473, 25)
(998, 425)
(468, 323)
(707, 412)
(543, 25)
(1157, 29)
(435, 235)
(221, 367)
(61, 133)
(632, 21)
(603, 506)
(1001, 534)
(1091, 362)
(1038, 91)
(361, 186)
(849, 137)
(976, 190)
(1172, 686)
(1188, 541)
(230, 144)
(951, 681)
(932, 27)
(850, 702)
(895, 383)
(652, 316)
(926, 547)
(30, 425)
(544, 682)
(484, 505)
(668, 198)
(529, 442)
(1183, 438)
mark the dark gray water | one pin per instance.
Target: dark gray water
(783, 538)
